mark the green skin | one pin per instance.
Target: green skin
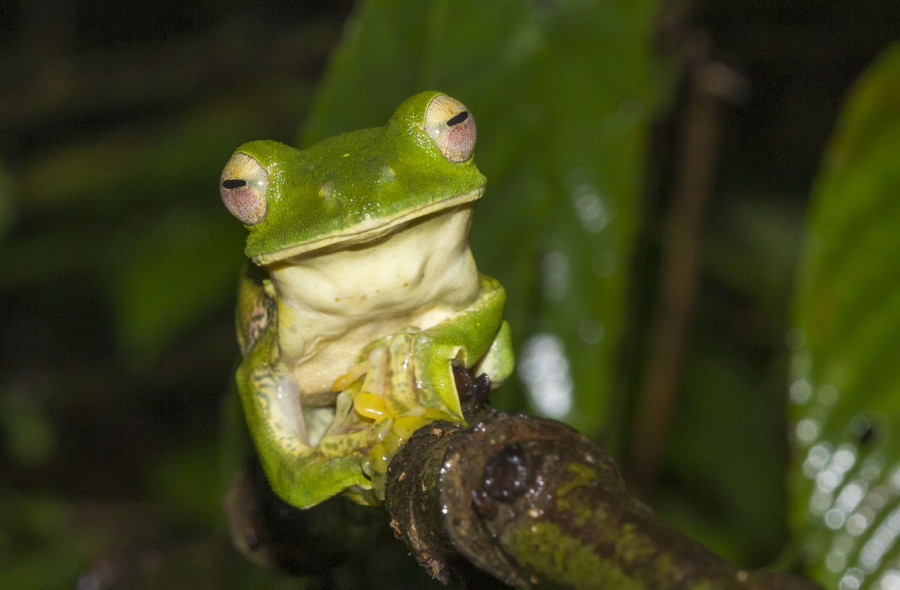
(361, 296)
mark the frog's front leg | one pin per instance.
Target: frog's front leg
(303, 474)
(406, 380)
(476, 337)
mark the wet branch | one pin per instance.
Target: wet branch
(536, 504)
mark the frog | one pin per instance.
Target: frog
(360, 296)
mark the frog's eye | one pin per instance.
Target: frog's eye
(452, 127)
(243, 188)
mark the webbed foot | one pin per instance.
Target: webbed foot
(388, 399)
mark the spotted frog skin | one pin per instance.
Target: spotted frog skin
(360, 295)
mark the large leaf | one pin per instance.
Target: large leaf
(846, 378)
(560, 91)
(7, 208)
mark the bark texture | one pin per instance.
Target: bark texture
(536, 504)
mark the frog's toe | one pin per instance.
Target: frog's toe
(350, 377)
(372, 366)
(371, 405)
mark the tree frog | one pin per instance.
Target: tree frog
(361, 295)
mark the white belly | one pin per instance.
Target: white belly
(332, 304)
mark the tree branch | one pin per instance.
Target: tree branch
(535, 504)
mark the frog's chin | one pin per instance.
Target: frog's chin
(368, 231)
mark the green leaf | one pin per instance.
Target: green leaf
(173, 271)
(7, 205)
(561, 93)
(845, 376)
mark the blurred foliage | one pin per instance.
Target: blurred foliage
(118, 263)
(845, 384)
(562, 96)
(119, 268)
(726, 454)
(7, 209)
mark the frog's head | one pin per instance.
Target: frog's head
(356, 187)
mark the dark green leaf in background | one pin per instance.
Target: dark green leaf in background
(178, 268)
(7, 208)
(561, 94)
(845, 384)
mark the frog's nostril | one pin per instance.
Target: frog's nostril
(233, 183)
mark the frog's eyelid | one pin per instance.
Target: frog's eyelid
(457, 119)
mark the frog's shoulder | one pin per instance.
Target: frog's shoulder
(255, 308)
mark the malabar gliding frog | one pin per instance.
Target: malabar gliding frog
(360, 296)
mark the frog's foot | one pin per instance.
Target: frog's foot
(389, 401)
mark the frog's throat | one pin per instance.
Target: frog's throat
(368, 230)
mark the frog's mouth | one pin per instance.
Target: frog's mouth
(369, 230)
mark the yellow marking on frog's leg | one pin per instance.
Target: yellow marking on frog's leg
(370, 405)
(397, 397)
(400, 383)
(405, 426)
(386, 364)
(402, 406)
(350, 377)
(378, 462)
(371, 364)
(371, 402)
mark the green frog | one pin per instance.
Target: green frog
(361, 295)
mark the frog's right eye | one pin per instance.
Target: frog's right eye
(452, 127)
(243, 186)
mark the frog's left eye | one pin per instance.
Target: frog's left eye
(452, 127)
(243, 188)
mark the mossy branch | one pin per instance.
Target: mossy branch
(536, 504)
